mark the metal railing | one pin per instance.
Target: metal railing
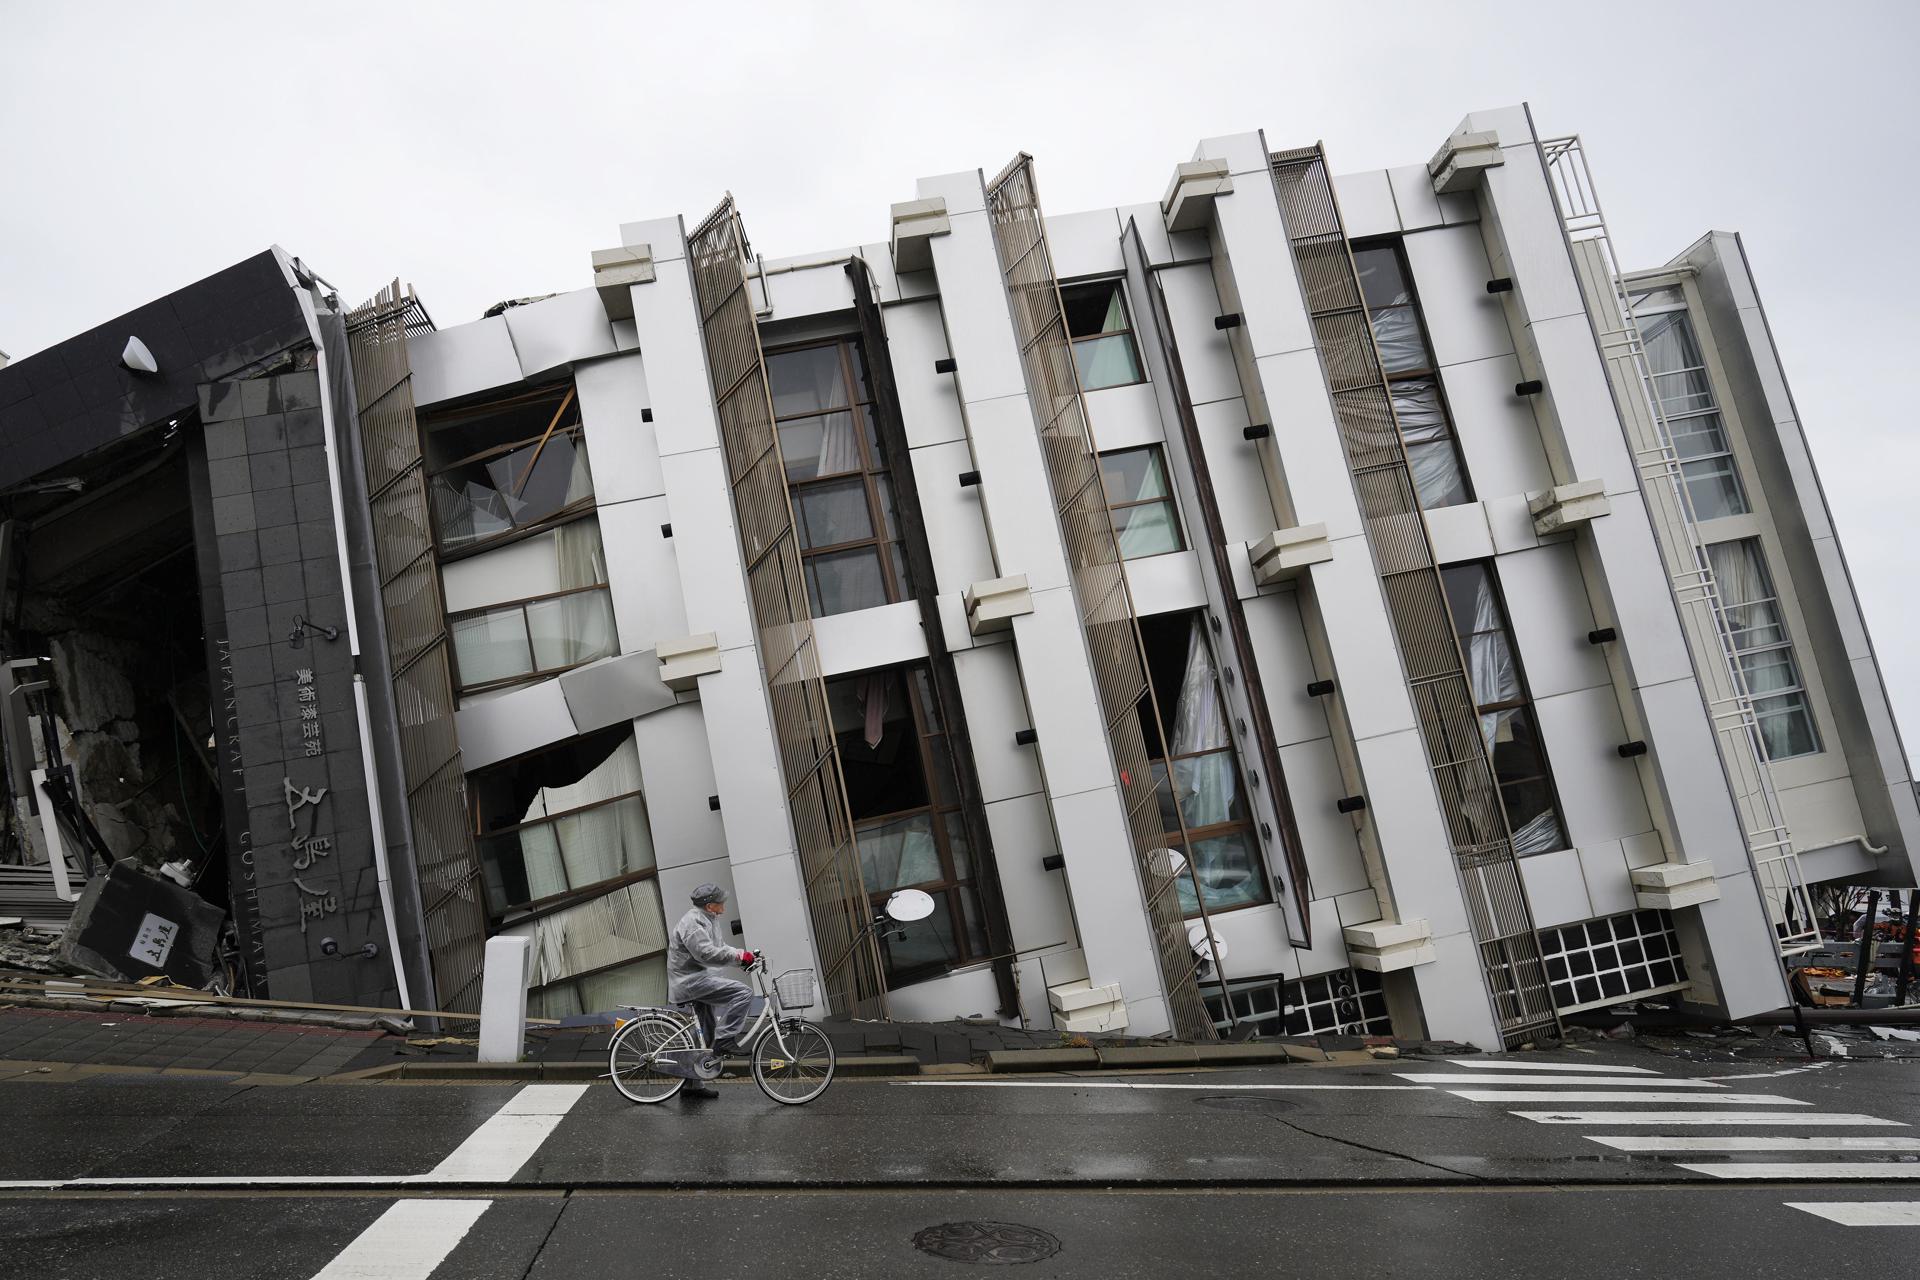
(1099, 578)
(415, 620)
(802, 726)
(1409, 573)
(1776, 864)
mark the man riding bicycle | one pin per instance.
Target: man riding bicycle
(694, 947)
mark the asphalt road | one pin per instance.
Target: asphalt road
(1622, 1164)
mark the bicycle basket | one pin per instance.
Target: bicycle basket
(795, 988)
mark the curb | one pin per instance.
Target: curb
(512, 1072)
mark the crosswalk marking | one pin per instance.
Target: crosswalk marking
(1750, 1142)
(1863, 1213)
(1577, 1095)
(407, 1242)
(1821, 1170)
(1558, 1082)
(1604, 1118)
(1480, 1064)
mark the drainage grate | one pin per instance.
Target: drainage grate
(990, 1243)
(1245, 1102)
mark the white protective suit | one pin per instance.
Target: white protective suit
(694, 947)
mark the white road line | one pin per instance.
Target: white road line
(406, 1242)
(1556, 1082)
(1128, 1084)
(1811, 1170)
(1768, 1075)
(495, 1151)
(1744, 1142)
(492, 1153)
(1481, 1064)
(1706, 1117)
(1863, 1213)
(1576, 1095)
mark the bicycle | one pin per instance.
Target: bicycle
(660, 1048)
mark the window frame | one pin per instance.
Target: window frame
(917, 679)
(1119, 285)
(1522, 703)
(574, 430)
(874, 467)
(534, 908)
(462, 689)
(1185, 835)
(1801, 687)
(1158, 450)
(1682, 307)
(1396, 245)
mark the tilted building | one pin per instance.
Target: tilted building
(1295, 601)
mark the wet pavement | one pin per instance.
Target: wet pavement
(1414, 1167)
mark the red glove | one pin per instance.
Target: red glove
(747, 958)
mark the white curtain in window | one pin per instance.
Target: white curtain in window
(623, 925)
(582, 562)
(1207, 786)
(1540, 835)
(1489, 659)
(586, 848)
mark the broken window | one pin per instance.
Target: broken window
(506, 466)
(559, 822)
(844, 513)
(1102, 334)
(1195, 770)
(908, 823)
(1413, 376)
(1506, 710)
(565, 620)
(1145, 521)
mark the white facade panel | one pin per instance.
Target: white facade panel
(559, 330)
(1556, 890)
(866, 638)
(929, 400)
(1167, 583)
(676, 768)
(1450, 274)
(621, 446)
(1039, 914)
(952, 512)
(1334, 864)
(1085, 244)
(1366, 204)
(1548, 612)
(996, 710)
(462, 361)
(1600, 796)
(643, 573)
(1497, 431)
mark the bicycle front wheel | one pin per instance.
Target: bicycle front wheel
(630, 1058)
(799, 1073)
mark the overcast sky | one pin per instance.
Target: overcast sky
(481, 154)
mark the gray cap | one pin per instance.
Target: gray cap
(708, 893)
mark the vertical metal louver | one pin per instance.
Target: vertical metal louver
(802, 725)
(448, 866)
(1482, 846)
(1093, 558)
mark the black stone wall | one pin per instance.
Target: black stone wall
(303, 865)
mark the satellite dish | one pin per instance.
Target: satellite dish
(908, 905)
(1205, 948)
(1176, 864)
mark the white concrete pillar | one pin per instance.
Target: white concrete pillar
(1082, 787)
(503, 998)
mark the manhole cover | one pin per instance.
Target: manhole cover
(991, 1243)
(1245, 1102)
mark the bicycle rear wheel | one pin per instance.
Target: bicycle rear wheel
(799, 1074)
(630, 1057)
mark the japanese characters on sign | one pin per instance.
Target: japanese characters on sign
(309, 711)
(308, 847)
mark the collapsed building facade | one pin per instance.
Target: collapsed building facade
(1298, 602)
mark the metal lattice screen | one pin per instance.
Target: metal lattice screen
(1483, 854)
(1099, 579)
(802, 726)
(446, 861)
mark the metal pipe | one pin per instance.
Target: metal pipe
(1868, 946)
(383, 871)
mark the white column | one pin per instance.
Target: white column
(762, 861)
(1082, 789)
(1253, 261)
